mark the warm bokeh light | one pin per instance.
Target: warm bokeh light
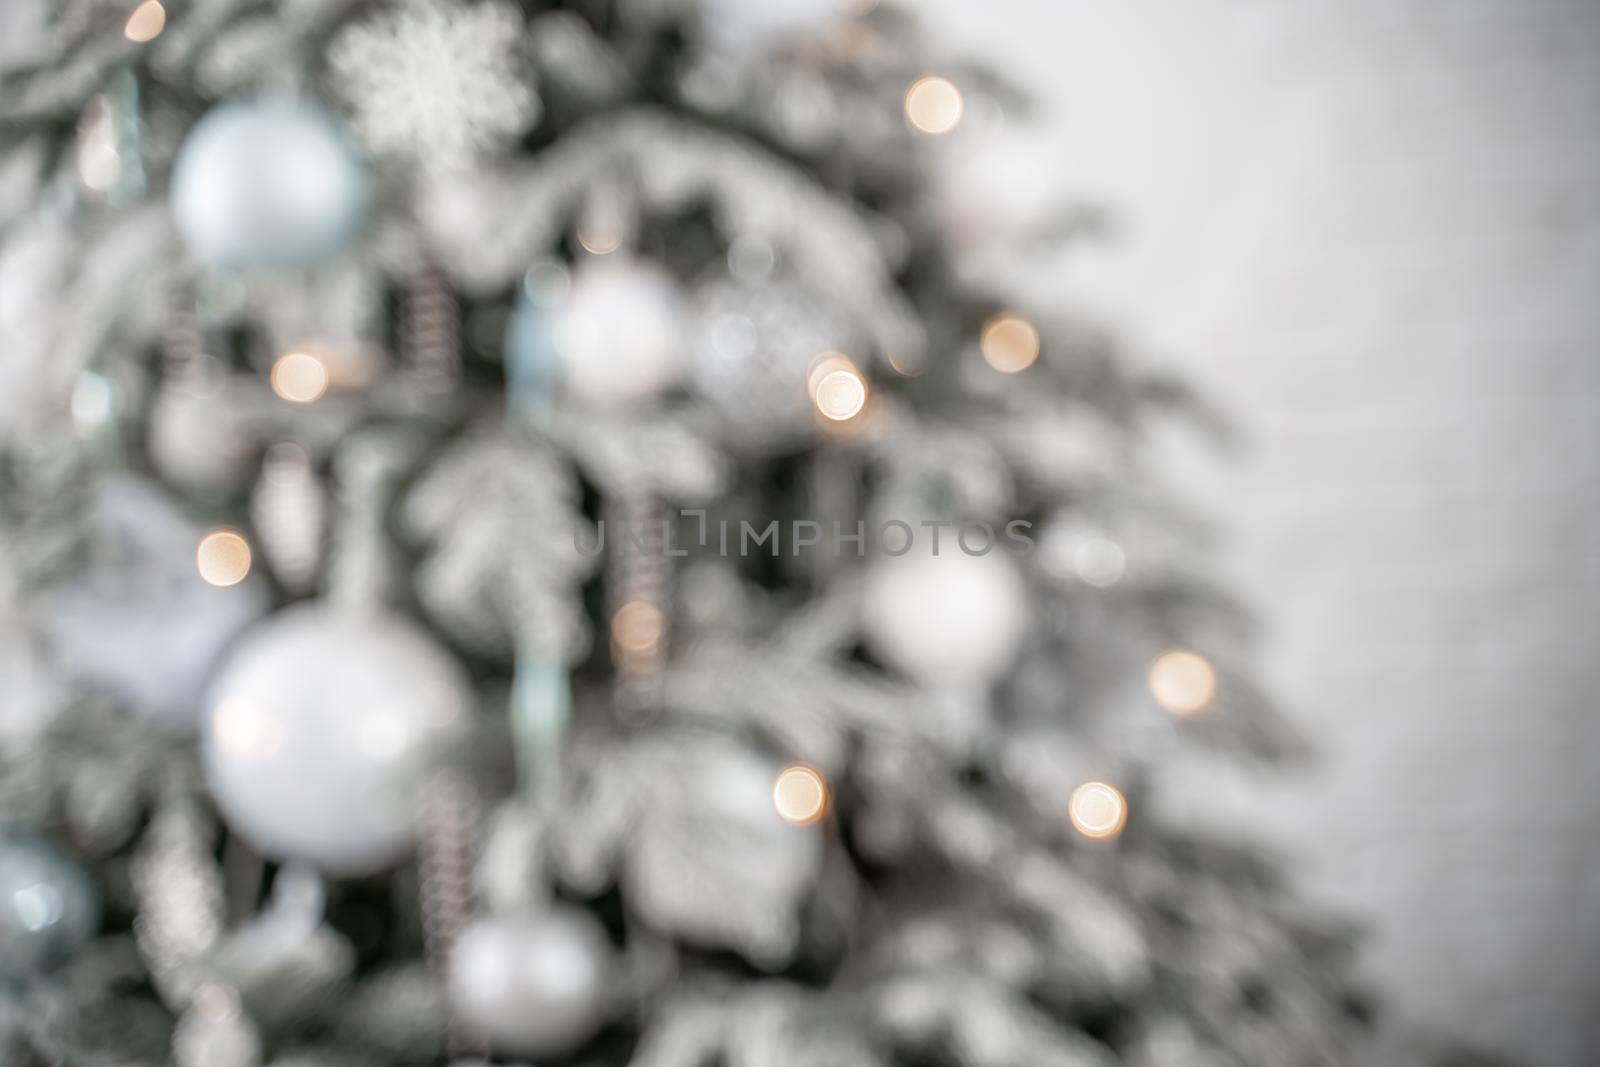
(1097, 810)
(1183, 682)
(146, 22)
(933, 105)
(800, 794)
(636, 627)
(838, 388)
(1009, 343)
(599, 240)
(299, 377)
(223, 558)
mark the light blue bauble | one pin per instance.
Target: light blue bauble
(48, 907)
(533, 366)
(267, 183)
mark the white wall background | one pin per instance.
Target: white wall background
(1372, 227)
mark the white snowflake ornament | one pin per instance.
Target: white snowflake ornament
(439, 83)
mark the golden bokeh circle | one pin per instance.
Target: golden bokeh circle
(223, 558)
(1009, 343)
(1183, 683)
(933, 105)
(800, 794)
(1097, 810)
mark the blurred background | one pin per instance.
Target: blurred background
(1372, 228)
(325, 321)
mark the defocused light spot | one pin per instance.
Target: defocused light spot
(1099, 562)
(547, 283)
(299, 377)
(637, 626)
(1182, 682)
(223, 558)
(38, 906)
(1097, 810)
(800, 794)
(838, 388)
(146, 22)
(933, 105)
(599, 240)
(1009, 343)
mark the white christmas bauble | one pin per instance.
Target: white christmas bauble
(534, 983)
(267, 183)
(619, 338)
(318, 729)
(946, 618)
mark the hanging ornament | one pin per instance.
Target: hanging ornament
(533, 983)
(432, 331)
(948, 617)
(532, 366)
(619, 338)
(754, 339)
(318, 731)
(439, 84)
(48, 907)
(267, 183)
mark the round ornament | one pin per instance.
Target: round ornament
(948, 617)
(48, 907)
(318, 729)
(534, 983)
(267, 183)
(619, 339)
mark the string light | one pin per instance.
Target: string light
(933, 105)
(223, 558)
(1097, 810)
(599, 241)
(1009, 343)
(299, 377)
(1183, 682)
(838, 388)
(146, 22)
(636, 627)
(800, 794)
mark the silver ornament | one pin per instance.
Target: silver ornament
(619, 336)
(267, 183)
(320, 727)
(533, 983)
(48, 907)
(945, 617)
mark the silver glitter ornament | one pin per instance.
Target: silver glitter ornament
(533, 983)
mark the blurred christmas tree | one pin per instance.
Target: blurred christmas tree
(531, 532)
